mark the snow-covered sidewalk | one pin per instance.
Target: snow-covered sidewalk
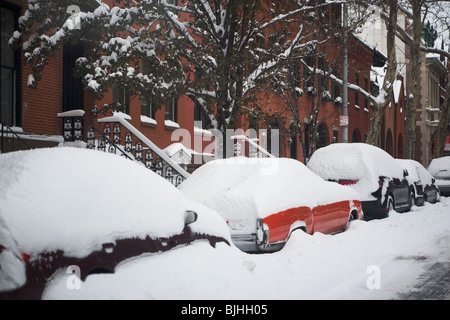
(373, 260)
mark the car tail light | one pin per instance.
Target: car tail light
(348, 182)
(25, 257)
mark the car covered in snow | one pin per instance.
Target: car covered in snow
(379, 180)
(265, 200)
(440, 170)
(421, 183)
(84, 212)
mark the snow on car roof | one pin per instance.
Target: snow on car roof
(413, 169)
(74, 200)
(355, 161)
(245, 189)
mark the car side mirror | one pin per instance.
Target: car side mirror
(190, 217)
(405, 173)
(433, 180)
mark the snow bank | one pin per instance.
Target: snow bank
(355, 161)
(243, 189)
(321, 266)
(76, 199)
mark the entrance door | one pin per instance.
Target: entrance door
(73, 93)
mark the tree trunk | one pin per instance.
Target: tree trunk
(413, 99)
(441, 134)
(373, 136)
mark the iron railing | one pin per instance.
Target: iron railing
(10, 140)
(254, 149)
(116, 135)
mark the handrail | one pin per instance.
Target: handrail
(147, 142)
(253, 144)
(136, 147)
(108, 140)
(8, 128)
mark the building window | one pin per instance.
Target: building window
(323, 80)
(356, 93)
(148, 108)
(336, 14)
(121, 99)
(201, 116)
(308, 76)
(10, 69)
(366, 87)
(172, 110)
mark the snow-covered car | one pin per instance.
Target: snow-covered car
(421, 183)
(81, 211)
(265, 200)
(12, 267)
(440, 170)
(379, 180)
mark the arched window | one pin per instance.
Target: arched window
(389, 143)
(356, 136)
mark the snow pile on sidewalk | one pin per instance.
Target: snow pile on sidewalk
(387, 254)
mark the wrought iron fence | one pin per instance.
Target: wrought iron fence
(116, 135)
(10, 140)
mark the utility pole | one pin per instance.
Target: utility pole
(344, 119)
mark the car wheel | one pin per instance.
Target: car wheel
(411, 200)
(350, 219)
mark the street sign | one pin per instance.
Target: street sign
(344, 121)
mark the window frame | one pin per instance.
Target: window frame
(15, 119)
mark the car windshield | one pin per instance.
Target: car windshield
(443, 174)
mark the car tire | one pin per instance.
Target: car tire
(351, 218)
(411, 200)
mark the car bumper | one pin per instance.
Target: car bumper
(373, 210)
(444, 190)
(245, 242)
(249, 243)
(419, 200)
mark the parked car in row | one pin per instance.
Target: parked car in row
(379, 180)
(421, 183)
(75, 210)
(265, 200)
(440, 170)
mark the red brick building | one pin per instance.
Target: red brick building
(35, 110)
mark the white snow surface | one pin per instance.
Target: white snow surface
(320, 266)
(355, 161)
(440, 168)
(243, 190)
(76, 200)
(416, 172)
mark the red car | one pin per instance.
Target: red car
(265, 200)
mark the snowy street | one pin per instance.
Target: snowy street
(406, 256)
